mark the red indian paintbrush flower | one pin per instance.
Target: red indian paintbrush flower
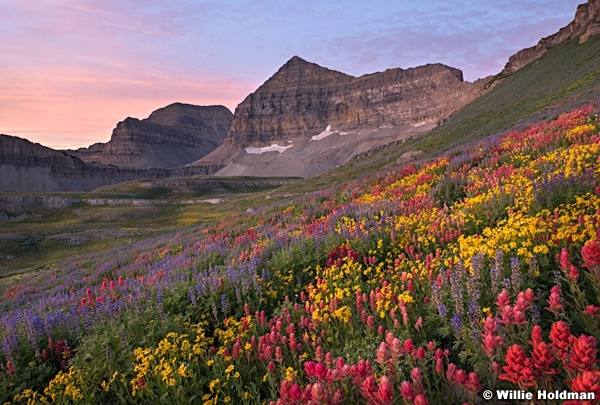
(450, 371)
(490, 343)
(542, 359)
(503, 299)
(563, 259)
(473, 383)
(583, 354)
(590, 253)
(518, 367)
(420, 353)
(368, 388)
(385, 391)
(560, 337)
(489, 326)
(588, 381)
(407, 391)
(417, 378)
(554, 300)
(591, 310)
(460, 376)
(536, 335)
(420, 400)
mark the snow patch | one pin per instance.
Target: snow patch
(272, 148)
(323, 134)
(419, 124)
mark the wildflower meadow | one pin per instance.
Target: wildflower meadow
(429, 282)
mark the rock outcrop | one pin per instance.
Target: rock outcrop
(171, 136)
(585, 24)
(280, 129)
(31, 167)
(303, 98)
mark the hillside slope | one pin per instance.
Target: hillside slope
(566, 76)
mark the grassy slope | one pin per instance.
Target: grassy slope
(565, 77)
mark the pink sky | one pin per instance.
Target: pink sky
(71, 69)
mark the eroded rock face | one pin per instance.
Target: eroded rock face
(31, 167)
(171, 136)
(585, 24)
(307, 119)
(302, 98)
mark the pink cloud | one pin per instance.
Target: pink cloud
(72, 69)
(67, 107)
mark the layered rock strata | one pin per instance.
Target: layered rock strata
(31, 167)
(303, 98)
(307, 119)
(171, 136)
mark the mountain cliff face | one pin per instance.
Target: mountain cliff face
(31, 167)
(280, 129)
(585, 24)
(171, 136)
(302, 99)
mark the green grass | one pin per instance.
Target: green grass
(194, 187)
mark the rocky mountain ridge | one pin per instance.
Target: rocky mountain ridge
(280, 129)
(585, 24)
(30, 167)
(302, 98)
(303, 121)
(172, 136)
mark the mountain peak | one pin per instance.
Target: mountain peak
(296, 63)
(171, 136)
(296, 59)
(301, 71)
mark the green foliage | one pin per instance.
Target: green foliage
(108, 349)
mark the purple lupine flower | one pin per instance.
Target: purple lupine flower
(224, 304)
(456, 322)
(533, 266)
(473, 281)
(456, 291)
(477, 265)
(535, 314)
(474, 313)
(515, 274)
(496, 271)
(159, 295)
(506, 284)
(442, 310)
(192, 296)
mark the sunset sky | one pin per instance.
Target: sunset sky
(71, 69)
